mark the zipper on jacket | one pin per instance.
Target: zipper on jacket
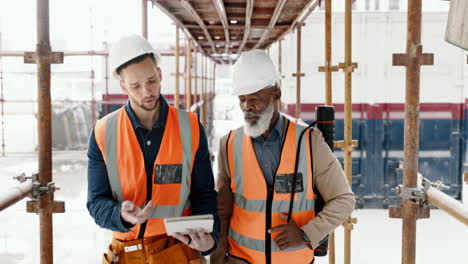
(149, 191)
(270, 193)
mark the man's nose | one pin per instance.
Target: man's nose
(246, 106)
(147, 89)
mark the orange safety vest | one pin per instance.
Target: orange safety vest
(257, 209)
(172, 169)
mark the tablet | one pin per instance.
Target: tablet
(181, 224)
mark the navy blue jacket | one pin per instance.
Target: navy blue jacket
(106, 211)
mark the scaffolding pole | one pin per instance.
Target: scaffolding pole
(188, 74)
(447, 204)
(15, 194)
(44, 129)
(298, 73)
(144, 18)
(195, 96)
(413, 59)
(411, 132)
(279, 58)
(106, 76)
(2, 101)
(204, 83)
(177, 47)
(348, 144)
(45, 205)
(328, 69)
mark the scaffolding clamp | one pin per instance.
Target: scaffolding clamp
(349, 223)
(348, 67)
(417, 198)
(417, 194)
(39, 190)
(439, 185)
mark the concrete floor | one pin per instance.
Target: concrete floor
(77, 239)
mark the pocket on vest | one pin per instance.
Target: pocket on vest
(284, 183)
(168, 174)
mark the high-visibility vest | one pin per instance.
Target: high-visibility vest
(172, 167)
(250, 219)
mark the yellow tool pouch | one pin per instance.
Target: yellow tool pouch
(152, 250)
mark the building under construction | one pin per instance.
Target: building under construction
(395, 73)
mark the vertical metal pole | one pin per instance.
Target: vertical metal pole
(328, 52)
(195, 100)
(2, 99)
(279, 58)
(411, 140)
(188, 93)
(329, 96)
(298, 73)
(177, 95)
(348, 118)
(331, 246)
(44, 130)
(93, 100)
(144, 18)
(107, 79)
(204, 88)
(213, 94)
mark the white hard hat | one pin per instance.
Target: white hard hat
(128, 48)
(253, 71)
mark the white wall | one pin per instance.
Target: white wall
(376, 36)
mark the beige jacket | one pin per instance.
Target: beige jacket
(328, 177)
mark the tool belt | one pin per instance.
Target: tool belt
(151, 250)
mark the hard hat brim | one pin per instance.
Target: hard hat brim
(148, 51)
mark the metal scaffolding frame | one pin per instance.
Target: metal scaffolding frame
(415, 195)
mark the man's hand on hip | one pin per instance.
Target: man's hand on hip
(291, 237)
(134, 214)
(196, 239)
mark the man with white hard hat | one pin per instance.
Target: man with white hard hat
(266, 177)
(148, 161)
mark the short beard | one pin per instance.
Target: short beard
(150, 109)
(262, 124)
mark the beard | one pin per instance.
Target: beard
(148, 106)
(259, 126)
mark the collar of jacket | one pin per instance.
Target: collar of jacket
(161, 122)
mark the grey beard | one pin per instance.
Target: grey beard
(262, 123)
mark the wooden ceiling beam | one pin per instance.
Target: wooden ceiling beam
(234, 27)
(219, 5)
(274, 18)
(301, 18)
(248, 19)
(200, 22)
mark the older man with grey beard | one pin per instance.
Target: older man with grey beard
(258, 177)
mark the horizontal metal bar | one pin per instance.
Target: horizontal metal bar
(18, 53)
(447, 204)
(15, 194)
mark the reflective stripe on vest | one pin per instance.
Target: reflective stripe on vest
(172, 168)
(248, 226)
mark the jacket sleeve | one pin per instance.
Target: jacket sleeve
(334, 188)
(100, 204)
(202, 193)
(225, 201)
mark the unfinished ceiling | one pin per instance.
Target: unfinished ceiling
(225, 27)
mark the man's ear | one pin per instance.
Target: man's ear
(277, 94)
(159, 73)
(122, 86)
